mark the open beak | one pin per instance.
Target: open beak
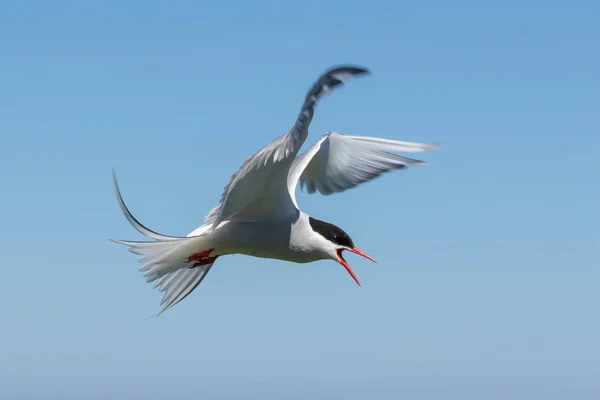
(345, 264)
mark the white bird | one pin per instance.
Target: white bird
(258, 214)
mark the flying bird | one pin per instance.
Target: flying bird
(258, 214)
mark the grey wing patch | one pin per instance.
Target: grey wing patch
(329, 80)
(332, 78)
(248, 185)
(250, 188)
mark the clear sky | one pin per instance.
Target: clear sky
(489, 275)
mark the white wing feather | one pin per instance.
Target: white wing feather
(339, 162)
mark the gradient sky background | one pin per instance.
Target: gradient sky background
(489, 275)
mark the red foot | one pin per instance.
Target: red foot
(205, 261)
(202, 258)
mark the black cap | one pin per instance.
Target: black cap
(331, 233)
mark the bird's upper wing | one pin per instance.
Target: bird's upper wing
(339, 162)
(259, 186)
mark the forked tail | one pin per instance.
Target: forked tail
(173, 262)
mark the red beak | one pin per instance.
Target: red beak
(345, 264)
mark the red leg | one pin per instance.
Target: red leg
(202, 258)
(205, 261)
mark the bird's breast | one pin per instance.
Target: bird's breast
(264, 239)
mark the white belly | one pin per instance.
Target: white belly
(265, 239)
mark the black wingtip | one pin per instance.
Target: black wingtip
(332, 78)
(348, 68)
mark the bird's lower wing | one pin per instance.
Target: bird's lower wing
(339, 162)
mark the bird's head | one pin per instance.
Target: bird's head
(336, 241)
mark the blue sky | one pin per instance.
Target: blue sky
(489, 257)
